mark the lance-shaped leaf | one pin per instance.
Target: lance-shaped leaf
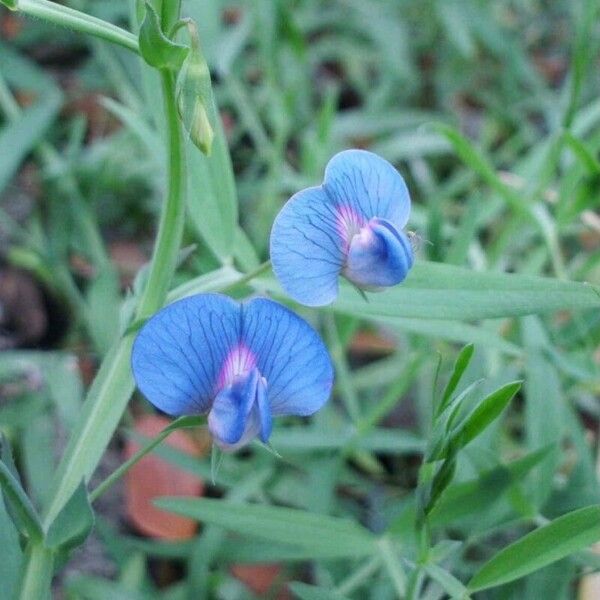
(486, 412)
(325, 535)
(560, 538)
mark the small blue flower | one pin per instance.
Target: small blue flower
(241, 363)
(351, 225)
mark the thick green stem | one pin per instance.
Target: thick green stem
(37, 576)
(78, 21)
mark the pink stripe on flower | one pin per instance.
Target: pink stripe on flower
(348, 223)
(239, 361)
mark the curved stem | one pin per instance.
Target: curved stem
(263, 268)
(170, 229)
(180, 423)
(78, 21)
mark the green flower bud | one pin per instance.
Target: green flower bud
(195, 98)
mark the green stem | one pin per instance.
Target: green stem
(359, 577)
(170, 229)
(342, 369)
(263, 268)
(37, 574)
(179, 423)
(78, 21)
(393, 566)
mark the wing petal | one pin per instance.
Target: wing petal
(179, 352)
(307, 249)
(289, 355)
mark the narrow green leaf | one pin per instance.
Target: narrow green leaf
(448, 582)
(97, 422)
(156, 49)
(391, 561)
(310, 439)
(488, 410)
(212, 195)
(438, 438)
(468, 497)
(583, 153)
(440, 482)
(73, 523)
(329, 536)
(441, 291)
(313, 592)
(22, 510)
(544, 407)
(560, 538)
(18, 137)
(462, 362)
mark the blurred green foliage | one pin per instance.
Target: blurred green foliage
(491, 111)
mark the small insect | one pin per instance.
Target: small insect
(417, 241)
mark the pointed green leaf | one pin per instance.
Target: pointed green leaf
(329, 536)
(21, 510)
(468, 497)
(488, 410)
(560, 538)
(441, 291)
(449, 583)
(212, 196)
(19, 136)
(462, 362)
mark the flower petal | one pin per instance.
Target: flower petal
(289, 355)
(179, 352)
(264, 411)
(369, 185)
(228, 419)
(307, 248)
(380, 255)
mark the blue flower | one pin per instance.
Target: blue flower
(351, 225)
(242, 364)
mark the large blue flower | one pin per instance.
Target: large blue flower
(240, 363)
(351, 225)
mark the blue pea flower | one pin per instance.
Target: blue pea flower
(351, 225)
(242, 364)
